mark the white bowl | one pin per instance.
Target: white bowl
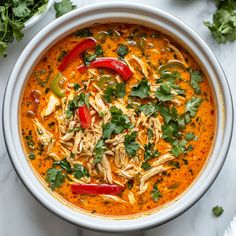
(38, 16)
(110, 13)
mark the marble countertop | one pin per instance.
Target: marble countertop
(21, 214)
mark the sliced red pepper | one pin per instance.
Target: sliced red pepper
(76, 51)
(84, 116)
(112, 63)
(110, 189)
(82, 69)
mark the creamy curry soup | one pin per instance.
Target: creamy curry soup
(117, 119)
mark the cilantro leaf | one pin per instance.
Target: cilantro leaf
(55, 178)
(179, 147)
(84, 33)
(80, 171)
(146, 166)
(147, 109)
(141, 90)
(192, 106)
(63, 7)
(116, 90)
(64, 164)
(122, 50)
(91, 57)
(217, 211)
(149, 152)
(190, 136)
(131, 146)
(99, 150)
(196, 78)
(155, 194)
(163, 93)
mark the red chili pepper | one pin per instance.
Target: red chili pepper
(84, 116)
(82, 69)
(96, 189)
(76, 51)
(113, 63)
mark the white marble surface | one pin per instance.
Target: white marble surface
(21, 214)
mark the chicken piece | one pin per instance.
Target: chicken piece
(131, 198)
(107, 169)
(155, 124)
(147, 175)
(44, 137)
(53, 102)
(163, 159)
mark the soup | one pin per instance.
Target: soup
(117, 119)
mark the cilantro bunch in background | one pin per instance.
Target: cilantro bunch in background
(223, 27)
(15, 13)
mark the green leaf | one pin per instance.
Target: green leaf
(55, 178)
(147, 109)
(99, 150)
(64, 164)
(192, 106)
(141, 90)
(84, 33)
(120, 90)
(217, 211)
(155, 194)
(150, 152)
(31, 155)
(63, 7)
(80, 171)
(131, 146)
(223, 27)
(21, 10)
(196, 78)
(91, 57)
(146, 166)
(122, 50)
(108, 129)
(189, 136)
(115, 90)
(179, 147)
(163, 93)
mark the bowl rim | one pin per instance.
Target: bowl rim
(93, 222)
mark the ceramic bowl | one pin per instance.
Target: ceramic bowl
(115, 13)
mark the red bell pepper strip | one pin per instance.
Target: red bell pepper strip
(76, 51)
(109, 189)
(84, 116)
(112, 63)
(82, 69)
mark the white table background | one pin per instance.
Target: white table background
(22, 215)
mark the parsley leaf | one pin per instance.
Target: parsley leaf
(223, 27)
(99, 150)
(55, 178)
(163, 93)
(141, 90)
(80, 171)
(122, 50)
(63, 7)
(155, 194)
(196, 78)
(217, 211)
(131, 146)
(192, 106)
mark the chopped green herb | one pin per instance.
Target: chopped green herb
(149, 152)
(80, 171)
(179, 147)
(150, 133)
(147, 109)
(84, 33)
(122, 50)
(175, 164)
(217, 211)
(141, 90)
(131, 146)
(63, 7)
(62, 54)
(64, 164)
(31, 155)
(163, 93)
(192, 106)
(115, 90)
(189, 136)
(99, 150)
(155, 194)
(91, 57)
(76, 86)
(55, 178)
(130, 184)
(146, 166)
(196, 78)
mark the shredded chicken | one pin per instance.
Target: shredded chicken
(107, 169)
(114, 198)
(44, 136)
(131, 198)
(53, 102)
